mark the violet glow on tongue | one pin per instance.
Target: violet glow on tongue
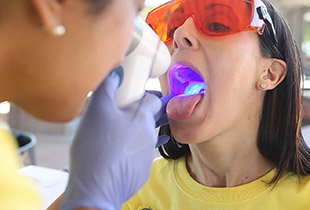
(185, 81)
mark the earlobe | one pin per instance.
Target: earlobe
(263, 86)
(49, 15)
(274, 75)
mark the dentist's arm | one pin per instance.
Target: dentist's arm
(112, 152)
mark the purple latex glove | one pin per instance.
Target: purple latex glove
(112, 152)
(161, 117)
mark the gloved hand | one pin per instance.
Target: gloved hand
(112, 152)
(161, 117)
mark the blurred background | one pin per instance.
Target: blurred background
(48, 144)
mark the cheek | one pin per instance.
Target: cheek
(124, 35)
(236, 71)
(108, 47)
(233, 88)
(117, 41)
(123, 25)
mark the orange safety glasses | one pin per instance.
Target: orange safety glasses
(211, 17)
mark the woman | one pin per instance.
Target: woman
(53, 53)
(237, 144)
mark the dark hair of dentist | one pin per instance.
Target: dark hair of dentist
(239, 146)
(53, 53)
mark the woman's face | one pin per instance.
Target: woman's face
(230, 66)
(50, 77)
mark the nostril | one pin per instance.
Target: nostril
(175, 45)
(188, 42)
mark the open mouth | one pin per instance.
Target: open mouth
(185, 81)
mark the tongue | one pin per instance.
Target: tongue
(182, 107)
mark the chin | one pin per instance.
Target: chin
(185, 135)
(59, 116)
(58, 113)
(65, 117)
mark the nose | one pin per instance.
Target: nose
(186, 36)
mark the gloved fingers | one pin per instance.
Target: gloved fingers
(120, 72)
(165, 99)
(150, 102)
(102, 102)
(163, 139)
(155, 92)
(161, 116)
(161, 119)
(108, 86)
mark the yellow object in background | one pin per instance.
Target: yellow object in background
(16, 191)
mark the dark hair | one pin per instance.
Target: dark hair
(279, 137)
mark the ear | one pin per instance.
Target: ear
(272, 76)
(49, 14)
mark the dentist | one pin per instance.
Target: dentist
(53, 53)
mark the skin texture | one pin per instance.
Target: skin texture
(223, 129)
(50, 76)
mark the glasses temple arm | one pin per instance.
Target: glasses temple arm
(264, 15)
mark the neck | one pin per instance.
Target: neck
(227, 162)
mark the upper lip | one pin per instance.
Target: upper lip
(190, 65)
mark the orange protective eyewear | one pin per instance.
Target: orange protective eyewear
(211, 17)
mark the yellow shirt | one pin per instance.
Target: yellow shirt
(16, 192)
(170, 187)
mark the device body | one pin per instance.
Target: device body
(148, 57)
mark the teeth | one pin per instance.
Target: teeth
(186, 81)
(179, 77)
(195, 88)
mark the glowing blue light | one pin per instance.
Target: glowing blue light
(195, 88)
(185, 81)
